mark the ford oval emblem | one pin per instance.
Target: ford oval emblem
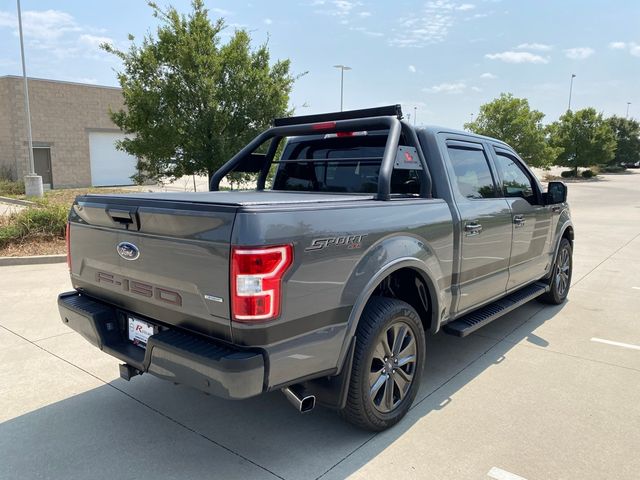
(128, 251)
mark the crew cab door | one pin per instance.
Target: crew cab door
(484, 229)
(531, 219)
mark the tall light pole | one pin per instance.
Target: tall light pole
(342, 69)
(32, 182)
(627, 115)
(573, 75)
(415, 114)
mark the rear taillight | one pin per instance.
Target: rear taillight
(256, 281)
(67, 236)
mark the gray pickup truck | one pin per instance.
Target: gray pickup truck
(363, 235)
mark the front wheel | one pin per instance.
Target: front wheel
(387, 365)
(560, 280)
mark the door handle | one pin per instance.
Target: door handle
(127, 219)
(518, 220)
(472, 228)
(555, 209)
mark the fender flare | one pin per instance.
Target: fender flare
(565, 226)
(365, 295)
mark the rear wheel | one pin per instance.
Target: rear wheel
(560, 280)
(387, 366)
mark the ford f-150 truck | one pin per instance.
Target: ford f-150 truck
(363, 235)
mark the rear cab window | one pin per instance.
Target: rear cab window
(348, 164)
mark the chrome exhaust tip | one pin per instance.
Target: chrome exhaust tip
(302, 402)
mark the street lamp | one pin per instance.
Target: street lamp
(342, 69)
(573, 75)
(415, 114)
(32, 182)
(627, 115)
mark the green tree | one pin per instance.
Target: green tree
(511, 120)
(191, 102)
(627, 133)
(585, 138)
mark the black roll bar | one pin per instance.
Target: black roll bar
(392, 123)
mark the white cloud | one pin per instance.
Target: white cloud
(540, 47)
(579, 53)
(451, 88)
(412, 68)
(44, 25)
(346, 12)
(632, 47)
(488, 76)
(342, 8)
(430, 26)
(267, 21)
(93, 41)
(221, 11)
(366, 31)
(517, 57)
(57, 34)
(476, 89)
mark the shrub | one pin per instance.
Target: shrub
(45, 221)
(612, 169)
(568, 174)
(588, 174)
(8, 187)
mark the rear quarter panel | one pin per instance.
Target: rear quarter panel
(324, 284)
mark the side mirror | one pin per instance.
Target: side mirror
(556, 193)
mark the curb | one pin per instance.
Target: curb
(33, 260)
(15, 201)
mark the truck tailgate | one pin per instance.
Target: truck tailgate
(159, 258)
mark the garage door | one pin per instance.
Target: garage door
(109, 166)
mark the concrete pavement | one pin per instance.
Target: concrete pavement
(530, 394)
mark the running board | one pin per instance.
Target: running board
(471, 322)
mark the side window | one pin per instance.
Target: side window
(472, 172)
(515, 182)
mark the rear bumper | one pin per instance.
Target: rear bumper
(211, 366)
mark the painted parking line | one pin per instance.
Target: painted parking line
(636, 288)
(499, 474)
(616, 344)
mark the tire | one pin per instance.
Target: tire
(383, 321)
(560, 281)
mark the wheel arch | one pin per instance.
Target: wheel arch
(564, 230)
(407, 264)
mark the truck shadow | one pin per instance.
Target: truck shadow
(148, 428)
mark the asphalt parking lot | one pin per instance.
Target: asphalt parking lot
(543, 393)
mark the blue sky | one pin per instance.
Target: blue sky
(445, 57)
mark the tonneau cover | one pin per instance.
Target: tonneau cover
(239, 197)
